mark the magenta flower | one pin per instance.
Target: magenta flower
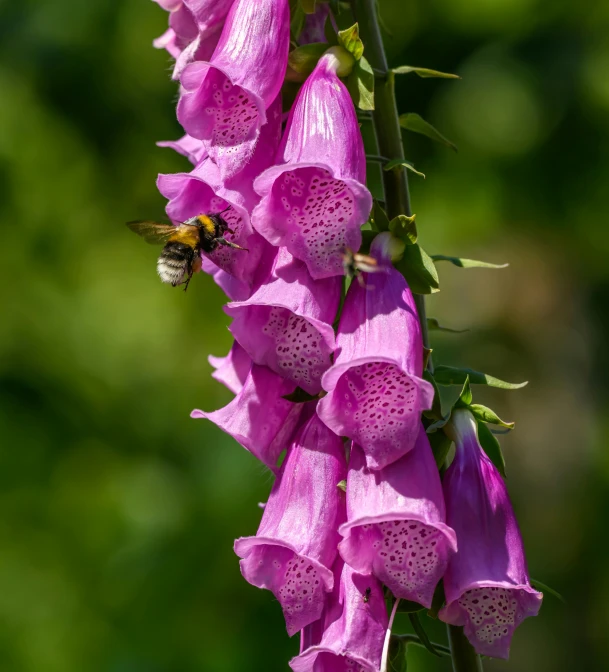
(258, 417)
(293, 551)
(375, 390)
(286, 323)
(224, 101)
(487, 582)
(232, 370)
(194, 30)
(396, 527)
(355, 622)
(204, 191)
(315, 200)
(191, 148)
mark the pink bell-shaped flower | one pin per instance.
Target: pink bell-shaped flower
(376, 392)
(287, 323)
(224, 100)
(295, 546)
(232, 370)
(314, 200)
(395, 525)
(487, 583)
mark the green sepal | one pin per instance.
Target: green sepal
(467, 263)
(360, 85)
(415, 123)
(435, 412)
(409, 607)
(329, 32)
(342, 485)
(404, 228)
(466, 397)
(434, 325)
(423, 72)
(437, 601)
(420, 631)
(300, 396)
(419, 270)
(397, 658)
(426, 355)
(491, 447)
(544, 588)
(402, 163)
(304, 59)
(380, 220)
(308, 6)
(351, 41)
(297, 19)
(450, 375)
(486, 414)
(440, 445)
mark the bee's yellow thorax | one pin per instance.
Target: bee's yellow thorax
(207, 224)
(189, 235)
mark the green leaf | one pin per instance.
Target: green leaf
(438, 600)
(487, 415)
(297, 21)
(329, 32)
(308, 6)
(423, 72)
(299, 396)
(543, 588)
(404, 228)
(360, 84)
(436, 407)
(379, 217)
(397, 655)
(434, 325)
(402, 163)
(350, 39)
(466, 395)
(304, 59)
(467, 263)
(440, 445)
(420, 631)
(491, 447)
(415, 123)
(408, 607)
(450, 375)
(419, 270)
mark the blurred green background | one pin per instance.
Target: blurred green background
(117, 511)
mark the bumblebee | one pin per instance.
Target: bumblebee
(181, 255)
(354, 264)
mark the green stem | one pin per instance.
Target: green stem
(387, 126)
(397, 198)
(465, 659)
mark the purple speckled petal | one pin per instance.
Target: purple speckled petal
(315, 201)
(203, 191)
(258, 418)
(224, 101)
(375, 390)
(286, 323)
(295, 546)
(233, 369)
(487, 583)
(396, 523)
(355, 622)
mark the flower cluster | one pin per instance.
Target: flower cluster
(333, 384)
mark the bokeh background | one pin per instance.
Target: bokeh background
(117, 511)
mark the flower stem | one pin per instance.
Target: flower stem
(465, 659)
(397, 198)
(387, 126)
(385, 656)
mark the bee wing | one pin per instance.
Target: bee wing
(152, 232)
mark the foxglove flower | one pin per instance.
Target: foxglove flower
(191, 148)
(258, 417)
(204, 191)
(194, 30)
(232, 370)
(375, 390)
(286, 323)
(355, 622)
(295, 547)
(315, 200)
(396, 527)
(224, 101)
(487, 582)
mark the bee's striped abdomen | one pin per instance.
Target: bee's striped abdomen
(175, 263)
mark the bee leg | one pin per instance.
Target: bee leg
(226, 243)
(187, 281)
(230, 231)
